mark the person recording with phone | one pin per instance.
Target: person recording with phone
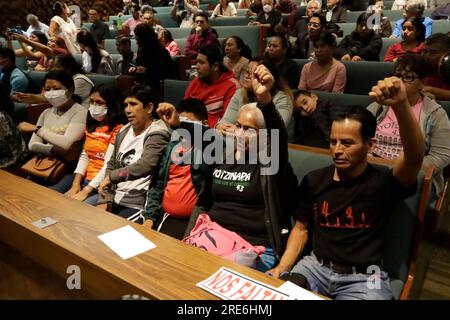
(184, 11)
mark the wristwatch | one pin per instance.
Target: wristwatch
(37, 129)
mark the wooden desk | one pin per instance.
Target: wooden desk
(33, 262)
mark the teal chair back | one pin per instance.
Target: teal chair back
(347, 28)
(346, 99)
(393, 15)
(441, 26)
(165, 20)
(178, 33)
(363, 75)
(399, 237)
(174, 90)
(37, 77)
(387, 42)
(102, 79)
(110, 46)
(229, 21)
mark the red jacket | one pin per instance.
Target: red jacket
(396, 50)
(194, 42)
(216, 95)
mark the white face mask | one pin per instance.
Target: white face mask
(186, 119)
(267, 8)
(98, 112)
(56, 97)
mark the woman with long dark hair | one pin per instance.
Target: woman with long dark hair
(279, 52)
(95, 60)
(104, 120)
(153, 60)
(413, 36)
(237, 55)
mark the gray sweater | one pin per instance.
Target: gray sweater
(283, 104)
(154, 144)
(58, 129)
(435, 126)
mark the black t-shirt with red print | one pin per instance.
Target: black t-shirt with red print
(349, 216)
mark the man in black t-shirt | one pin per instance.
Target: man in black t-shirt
(346, 204)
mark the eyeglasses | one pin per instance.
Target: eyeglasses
(406, 77)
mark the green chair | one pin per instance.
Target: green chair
(347, 28)
(388, 5)
(403, 228)
(178, 33)
(352, 16)
(174, 90)
(37, 77)
(387, 42)
(241, 12)
(15, 44)
(363, 75)
(345, 99)
(110, 46)
(446, 106)
(441, 26)
(78, 58)
(86, 25)
(102, 79)
(21, 63)
(393, 15)
(229, 21)
(165, 20)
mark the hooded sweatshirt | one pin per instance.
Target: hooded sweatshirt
(216, 95)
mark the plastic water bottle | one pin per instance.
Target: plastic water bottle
(119, 24)
(246, 258)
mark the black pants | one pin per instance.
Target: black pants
(172, 226)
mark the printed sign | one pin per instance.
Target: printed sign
(230, 285)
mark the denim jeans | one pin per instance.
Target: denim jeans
(66, 183)
(355, 286)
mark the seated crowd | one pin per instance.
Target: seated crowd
(135, 155)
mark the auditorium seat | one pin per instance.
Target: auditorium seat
(174, 90)
(404, 226)
(387, 42)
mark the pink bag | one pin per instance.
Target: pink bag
(211, 237)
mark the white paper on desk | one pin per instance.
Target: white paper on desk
(126, 242)
(297, 293)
